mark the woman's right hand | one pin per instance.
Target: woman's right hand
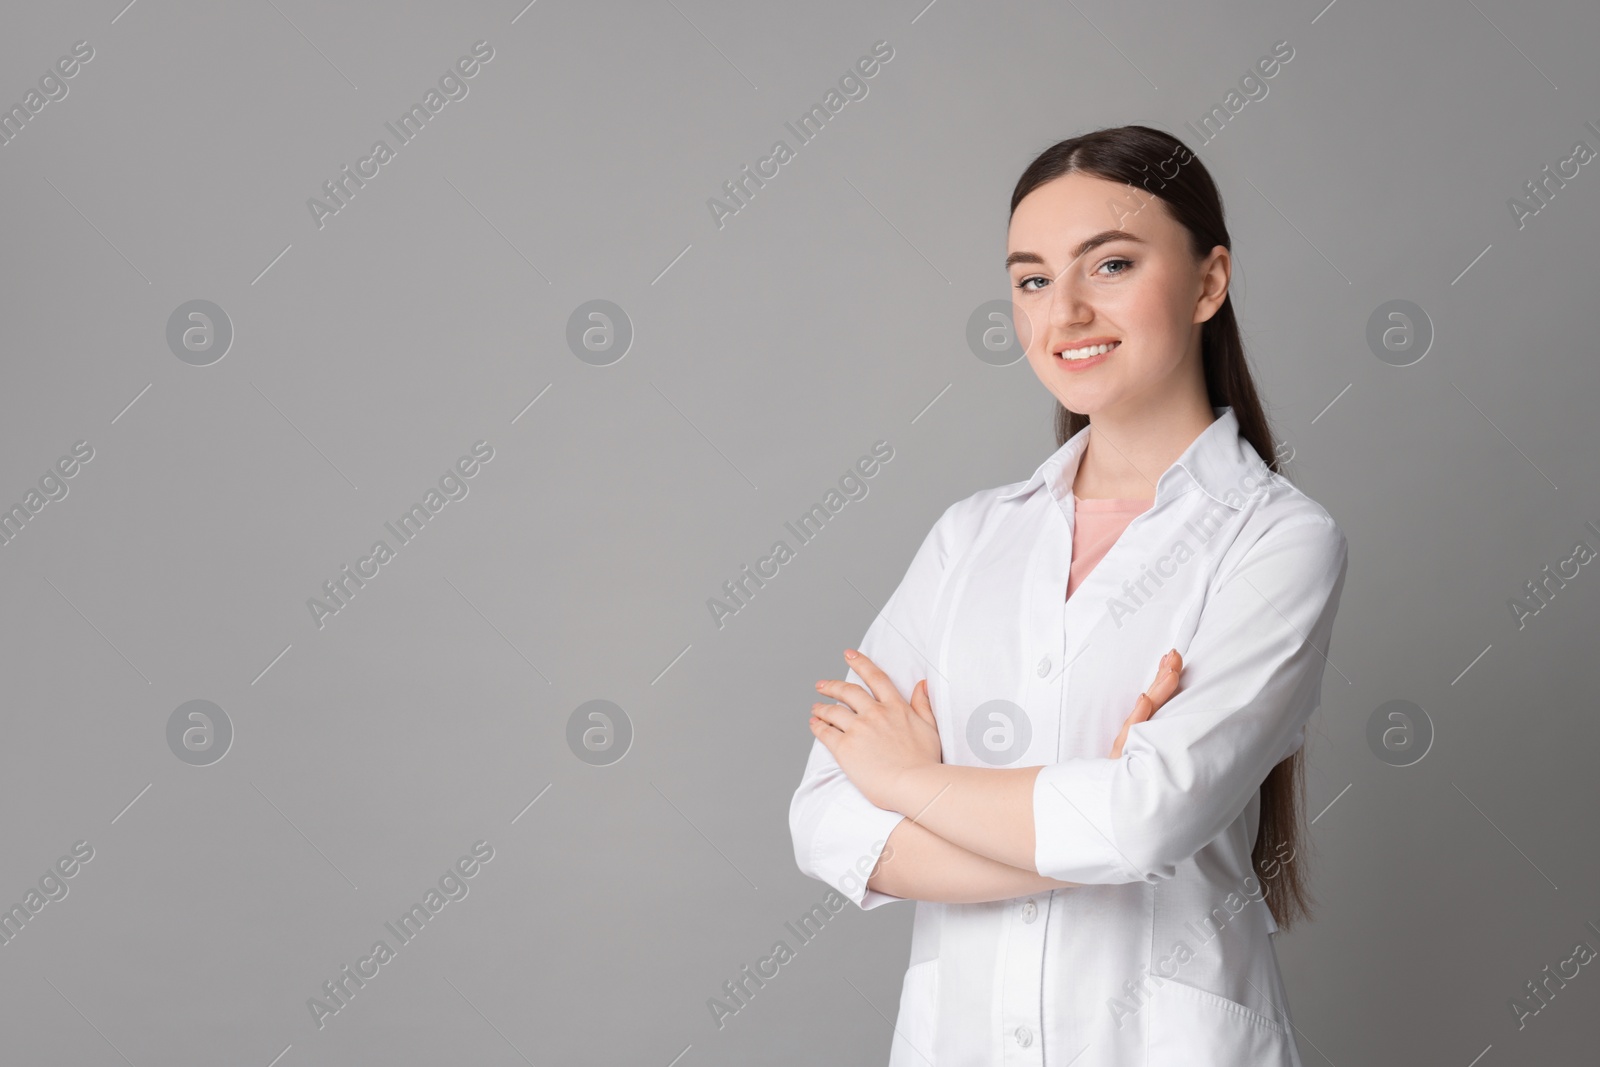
(1159, 693)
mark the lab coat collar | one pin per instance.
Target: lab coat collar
(1220, 462)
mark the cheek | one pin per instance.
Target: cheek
(1023, 315)
(1162, 303)
(1042, 364)
(1144, 308)
(1158, 325)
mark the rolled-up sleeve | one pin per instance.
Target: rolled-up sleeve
(1252, 676)
(837, 832)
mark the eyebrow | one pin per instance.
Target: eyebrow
(1089, 245)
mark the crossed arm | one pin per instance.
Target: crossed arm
(968, 835)
(964, 834)
(918, 864)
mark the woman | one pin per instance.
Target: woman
(1075, 909)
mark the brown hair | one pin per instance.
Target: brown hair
(1163, 167)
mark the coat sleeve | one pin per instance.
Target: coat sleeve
(1252, 676)
(837, 832)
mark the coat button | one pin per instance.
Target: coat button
(1044, 666)
(1030, 912)
(1024, 1036)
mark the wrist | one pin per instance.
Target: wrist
(911, 790)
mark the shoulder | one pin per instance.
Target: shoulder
(961, 525)
(1286, 523)
(1288, 505)
(963, 520)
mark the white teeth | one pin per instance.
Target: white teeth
(1085, 353)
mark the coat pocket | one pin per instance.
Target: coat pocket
(1195, 1028)
(915, 1027)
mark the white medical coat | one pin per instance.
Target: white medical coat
(1163, 956)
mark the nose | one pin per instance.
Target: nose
(1067, 304)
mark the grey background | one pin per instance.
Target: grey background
(768, 356)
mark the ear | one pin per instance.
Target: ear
(1216, 277)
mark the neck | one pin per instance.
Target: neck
(1128, 451)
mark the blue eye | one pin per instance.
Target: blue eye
(1026, 287)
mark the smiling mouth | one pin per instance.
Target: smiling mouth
(1074, 355)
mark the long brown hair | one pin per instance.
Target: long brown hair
(1160, 165)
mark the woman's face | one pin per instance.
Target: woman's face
(1096, 261)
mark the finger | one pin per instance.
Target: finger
(836, 715)
(1122, 739)
(823, 726)
(1143, 708)
(883, 689)
(847, 693)
(920, 703)
(824, 733)
(1166, 681)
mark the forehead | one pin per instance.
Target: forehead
(1058, 217)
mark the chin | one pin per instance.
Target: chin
(1085, 402)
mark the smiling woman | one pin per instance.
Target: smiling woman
(1055, 872)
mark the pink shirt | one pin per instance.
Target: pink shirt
(1096, 526)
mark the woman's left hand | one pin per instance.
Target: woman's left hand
(876, 737)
